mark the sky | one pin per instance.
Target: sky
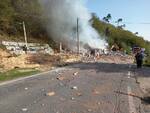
(135, 13)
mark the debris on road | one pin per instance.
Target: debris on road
(26, 88)
(95, 92)
(75, 73)
(42, 89)
(24, 109)
(99, 103)
(75, 88)
(79, 94)
(60, 78)
(89, 110)
(50, 94)
(72, 98)
(43, 104)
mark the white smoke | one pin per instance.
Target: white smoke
(62, 23)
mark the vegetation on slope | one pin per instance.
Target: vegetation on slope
(117, 35)
(14, 12)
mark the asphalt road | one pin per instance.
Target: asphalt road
(80, 88)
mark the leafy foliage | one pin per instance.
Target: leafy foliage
(123, 38)
(14, 12)
(114, 35)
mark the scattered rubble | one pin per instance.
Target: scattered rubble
(89, 110)
(24, 109)
(75, 73)
(79, 94)
(26, 88)
(42, 62)
(50, 94)
(60, 78)
(42, 104)
(75, 88)
(96, 92)
(72, 98)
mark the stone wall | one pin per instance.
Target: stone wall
(17, 47)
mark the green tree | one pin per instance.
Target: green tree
(6, 14)
(107, 18)
(118, 21)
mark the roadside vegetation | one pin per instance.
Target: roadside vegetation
(16, 73)
(125, 39)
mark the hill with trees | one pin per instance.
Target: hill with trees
(125, 39)
(14, 12)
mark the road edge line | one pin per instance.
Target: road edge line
(31, 76)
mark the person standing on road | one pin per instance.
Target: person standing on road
(25, 49)
(139, 59)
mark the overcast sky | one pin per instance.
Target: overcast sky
(135, 13)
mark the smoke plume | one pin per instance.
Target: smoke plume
(62, 23)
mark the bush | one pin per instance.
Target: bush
(147, 61)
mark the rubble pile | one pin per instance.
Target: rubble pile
(38, 61)
(16, 62)
(4, 53)
(68, 58)
(46, 62)
(116, 59)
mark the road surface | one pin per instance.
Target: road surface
(79, 88)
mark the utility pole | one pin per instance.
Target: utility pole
(25, 33)
(60, 47)
(78, 40)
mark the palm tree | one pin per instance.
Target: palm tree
(118, 21)
(107, 18)
(136, 33)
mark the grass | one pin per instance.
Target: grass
(147, 62)
(17, 73)
(147, 65)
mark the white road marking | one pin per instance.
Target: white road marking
(129, 74)
(132, 108)
(32, 76)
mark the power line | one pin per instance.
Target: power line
(143, 23)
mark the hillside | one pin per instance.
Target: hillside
(13, 13)
(123, 38)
